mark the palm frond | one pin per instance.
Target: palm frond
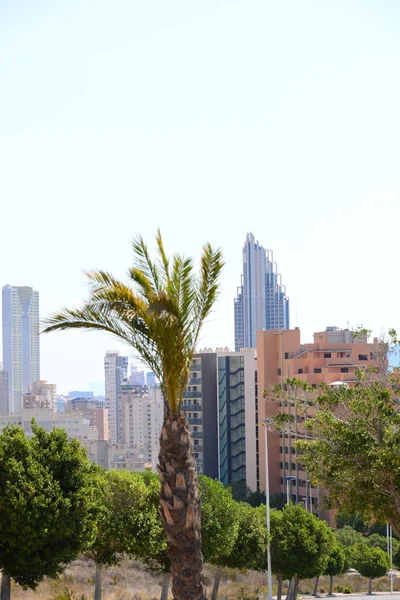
(144, 263)
(163, 258)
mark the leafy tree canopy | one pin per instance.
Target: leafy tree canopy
(47, 505)
(300, 543)
(348, 536)
(249, 550)
(126, 523)
(219, 519)
(337, 561)
(370, 562)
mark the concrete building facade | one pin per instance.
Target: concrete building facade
(21, 353)
(40, 394)
(261, 301)
(115, 374)
(4, 396)
(332, 358)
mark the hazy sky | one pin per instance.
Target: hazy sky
(209, 119)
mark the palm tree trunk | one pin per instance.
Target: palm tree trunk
(330, 585)
(165, 586)
(279, 594)
(315, 593)
(370, 586)
(97, 582)
(180, 509)
(5, 586)
(217, 579)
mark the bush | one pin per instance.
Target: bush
(343, 589)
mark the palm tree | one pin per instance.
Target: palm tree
(162, 319)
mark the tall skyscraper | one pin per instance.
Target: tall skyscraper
(115, 372)
(21, 355)
(261, 301)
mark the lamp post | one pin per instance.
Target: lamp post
(267, 509)
(389, 542)
(289, 479)
(308, 487)
(305, 500)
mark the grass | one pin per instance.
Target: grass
(132, 581)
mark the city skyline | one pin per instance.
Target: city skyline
(235, 117)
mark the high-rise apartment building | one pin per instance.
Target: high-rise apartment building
(136, 377)
(332, 358)
(261, 301)
(142, 417)
(220, 403)
(21, 355)
(115, 373)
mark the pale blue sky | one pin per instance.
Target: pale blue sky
(208, 119)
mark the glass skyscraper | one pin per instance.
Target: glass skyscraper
(21, 354)
(261, 301)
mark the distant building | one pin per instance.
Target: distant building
(136, 377)
(118, 456)
(74, 424)
(21, 354)
(141, 418)
(40, 395)
(115, 371)
(151, 380)
(77, 394)
(92, 409)
(261, 301)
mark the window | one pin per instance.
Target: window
(363, 357)
(279, 372)
(286, 354)
(344, 370)
(327, 355)
(317, 370)
(372, 356)
(299, 371)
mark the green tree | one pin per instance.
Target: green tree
(370, 562)
(300, 545)
(355, 521)
(161, 320)
(354, 449)
(336, 564)
(47, 504)
(347, 536)
(124, 524)
(249, 550)
(219, 523)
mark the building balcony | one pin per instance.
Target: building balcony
(191, 407)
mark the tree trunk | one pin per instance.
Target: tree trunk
(295, 587)
(279, 594)
(165, 586)
(217, 579)
(289, 590)
(370, 586)
(180, 509)
(315, 593)
(330, 585)
(97, 582)
(5, 586)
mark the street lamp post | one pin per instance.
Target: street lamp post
(389, 542)
(308, 487)
(267, 508)
(289, 479)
